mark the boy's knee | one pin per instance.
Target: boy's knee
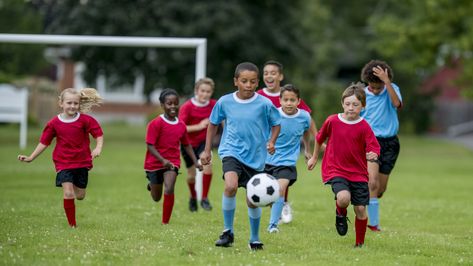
(230, 190)
(156, 198)
(80, 197)
(169, 190)
(343, 198)
(360, 212)
(69, 194)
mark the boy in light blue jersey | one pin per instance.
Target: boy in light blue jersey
(383, 99)
(295, 123)
(252, 125)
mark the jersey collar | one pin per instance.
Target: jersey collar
(169, 121)
(238, 100)
(289, 116)
(68, 120)
(348, 121)
(272, 94)
(199, 104)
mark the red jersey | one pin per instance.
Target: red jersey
(274, 98)
(72, 140)
(166, 136)
(347, 145)
(191, 113)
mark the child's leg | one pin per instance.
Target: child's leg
(168, 203)
(229, 199)
(69, 206)
(206, 180)
(191, 172)
(79, 193)
(361, 221)
(254, 215)
(278, 205)
(156, 191)
(342, 202)
(373, 207)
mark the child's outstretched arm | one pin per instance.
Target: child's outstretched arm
(205, 156)
(315, 156)
(191, 154)
(37, 151)
(272, 139)
(166, 163)
(98, 147)
(382, 74)
(306, 142)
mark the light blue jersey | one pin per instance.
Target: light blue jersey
(381, 114)
(288, 144)
(247, 128)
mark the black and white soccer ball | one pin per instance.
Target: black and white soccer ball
(262, 190)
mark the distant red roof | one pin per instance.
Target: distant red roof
(443, 82)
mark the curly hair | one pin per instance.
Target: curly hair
(357, 89)
(367, 74)
(89, 97)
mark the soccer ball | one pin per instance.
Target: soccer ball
(262, 190)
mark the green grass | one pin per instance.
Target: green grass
(426, 214)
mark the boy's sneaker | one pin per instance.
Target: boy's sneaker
(374, 228)
(255, 245)
(205, 204)
(225, 239)
(286, 214)
(273, 229)
(341, 224)
(193, 205)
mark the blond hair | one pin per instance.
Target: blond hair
(357, 89)
(207, 81)
(89, 97)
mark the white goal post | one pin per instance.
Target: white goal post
(200, 44)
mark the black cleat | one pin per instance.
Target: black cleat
(225, 239)
(193, 205)
(341, 224)
(255, 245)
(205, 204)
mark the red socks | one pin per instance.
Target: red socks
(360, 229)
(206, 179)
(168, 203)
(70, 209)
(341, 211)
(191, 189)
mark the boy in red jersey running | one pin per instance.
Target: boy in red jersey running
(164, 136)
(272, 77)
(195, 114)
(350, 145)
(72, 156)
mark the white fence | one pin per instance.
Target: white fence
(14, 109)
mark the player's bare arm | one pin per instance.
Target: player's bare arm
(166, 163)
(37, 151)
(98, 147)
(274, 135)
(383, 75)
(205, 156)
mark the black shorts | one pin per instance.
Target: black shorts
(197, 151)
(245, 173)
(286, 172)
(77, 176)
(360, 193)
(157, 177)
(390, 148)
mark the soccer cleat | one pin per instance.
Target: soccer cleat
(374, 228)
(255, 245)
(358, 245)
(273, 229)
(225, 239)
(193, 205)
(341, 224)
(205, 204)
(286, 214)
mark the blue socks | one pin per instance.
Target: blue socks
(276, 210)
(373, 212)
(228, 208)
(255, 217)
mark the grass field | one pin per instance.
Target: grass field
(426, 215)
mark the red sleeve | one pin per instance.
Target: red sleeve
(185, 139)
(94, 128)
(48, 134)
(302, 105)
(184, 112)
(152, 132)
(371, 141)
(323, 132)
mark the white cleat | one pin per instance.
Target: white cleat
(286, 215)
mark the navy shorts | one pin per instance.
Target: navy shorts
(197, 151)
(245, 173)
(77, 176)
(390, 148)
(286, 172)
(157, 177)
(360, 193)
